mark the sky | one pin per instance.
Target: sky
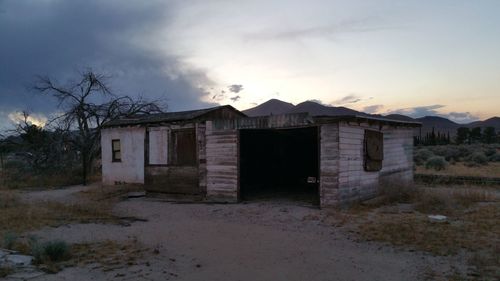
(414, 57)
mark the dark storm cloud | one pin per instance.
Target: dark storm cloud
(60, 38)
(431, 110)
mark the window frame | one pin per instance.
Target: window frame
(114, 150)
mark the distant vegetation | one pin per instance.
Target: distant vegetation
(477, 160)
(464, 135)
(471, 152)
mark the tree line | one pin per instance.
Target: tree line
(464, 135)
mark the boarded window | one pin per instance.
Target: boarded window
(374, 150)
(183, 148)
(158, 146)
(116, 151)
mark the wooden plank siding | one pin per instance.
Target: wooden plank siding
(398, 155)
(222, 164)
(357, 184)
(329, 165)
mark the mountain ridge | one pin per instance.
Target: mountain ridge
(438, 123)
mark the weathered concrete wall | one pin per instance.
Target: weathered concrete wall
(357, 184)
(222, 164)
(131, 167)
(329, 165)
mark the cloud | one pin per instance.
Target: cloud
(432, 110)
(60, 38)
(318, 101)
(39, 120)
(418, 111)
(348, 99)
(235, 88)
(235, 98)
(353, 25)
(372, 108)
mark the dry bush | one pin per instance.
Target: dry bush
(460, 169)
(5, 271)
(17, 216)
(450, 200)
(471, 227)
(8, 199)
(110, 254)
(15, 177)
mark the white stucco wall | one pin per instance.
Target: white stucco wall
(131, 167)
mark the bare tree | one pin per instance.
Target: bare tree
(83, 112)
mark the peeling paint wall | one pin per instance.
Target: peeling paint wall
(131, 167)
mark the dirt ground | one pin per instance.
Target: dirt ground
(270, 240)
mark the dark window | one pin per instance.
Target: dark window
(116, 151)
(374, 150)
(183, 147)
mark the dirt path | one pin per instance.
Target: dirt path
(256, 241)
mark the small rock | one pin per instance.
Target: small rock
(437, 218)
(19, 260)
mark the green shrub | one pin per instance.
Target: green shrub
(422, 155)
(477, 158)
(489, 151)
(437, 163)
(52, 251)
(495, 157)
(5, 271)
(9, 239)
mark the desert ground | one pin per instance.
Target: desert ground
(266, 240)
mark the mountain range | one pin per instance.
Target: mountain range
(439, 124)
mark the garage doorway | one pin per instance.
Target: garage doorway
(279, 164)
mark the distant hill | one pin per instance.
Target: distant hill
(270, 107)
(316, 109)
(400, 117)
(440, 124)
(492, 122)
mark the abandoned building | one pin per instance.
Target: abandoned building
(220, 155)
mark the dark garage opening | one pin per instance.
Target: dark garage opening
(279, 163)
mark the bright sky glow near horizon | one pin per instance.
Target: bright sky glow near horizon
(412, 57)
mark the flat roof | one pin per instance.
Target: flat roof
(197, 114)
(369, 119)
(167, 116)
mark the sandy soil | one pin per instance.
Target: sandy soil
(253, 241)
